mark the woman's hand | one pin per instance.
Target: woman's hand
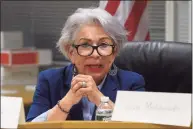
(90, 90)
(66, 103)
(73, 97)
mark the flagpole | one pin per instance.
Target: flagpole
(170, 21)
(190, 21)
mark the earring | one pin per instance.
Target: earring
(74, 70)
(113, 70)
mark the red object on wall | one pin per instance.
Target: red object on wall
(15, 58)
(5, 58)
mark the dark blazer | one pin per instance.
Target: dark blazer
(53, 84)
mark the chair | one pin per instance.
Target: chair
(165, 66)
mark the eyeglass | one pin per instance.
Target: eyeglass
(86, 49)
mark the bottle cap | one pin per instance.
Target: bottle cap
(104, 99)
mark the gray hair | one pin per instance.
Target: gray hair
(83, 16)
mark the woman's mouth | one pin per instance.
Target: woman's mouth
(95, 68)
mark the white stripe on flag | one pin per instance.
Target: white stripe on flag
(123, 10)
(142, 29)
(102, 4)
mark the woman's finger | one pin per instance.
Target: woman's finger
(82, 91)
(77, 80)
(77, 86)
(88, 77)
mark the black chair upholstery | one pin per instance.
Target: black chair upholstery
(165, 66)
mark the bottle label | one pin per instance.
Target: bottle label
(103, 115)
(103, 118)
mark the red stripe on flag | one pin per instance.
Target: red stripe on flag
(132, 22)
(4, 58)
(112, 6)
(24, 58)
(147, 36)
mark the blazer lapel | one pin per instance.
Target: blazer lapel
(110, 87)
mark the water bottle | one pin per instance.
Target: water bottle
(104, 110)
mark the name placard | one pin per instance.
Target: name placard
(12, 112)
(153, 107)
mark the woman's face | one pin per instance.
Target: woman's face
(95, 65)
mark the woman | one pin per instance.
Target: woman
(90, 39)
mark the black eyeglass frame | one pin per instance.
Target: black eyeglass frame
(93, 48)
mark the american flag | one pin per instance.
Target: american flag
(132, 14)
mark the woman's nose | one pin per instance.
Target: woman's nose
(95, 53)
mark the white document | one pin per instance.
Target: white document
(153, 107)
(12, 112)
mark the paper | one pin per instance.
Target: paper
(153, 107)
(12, 112)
